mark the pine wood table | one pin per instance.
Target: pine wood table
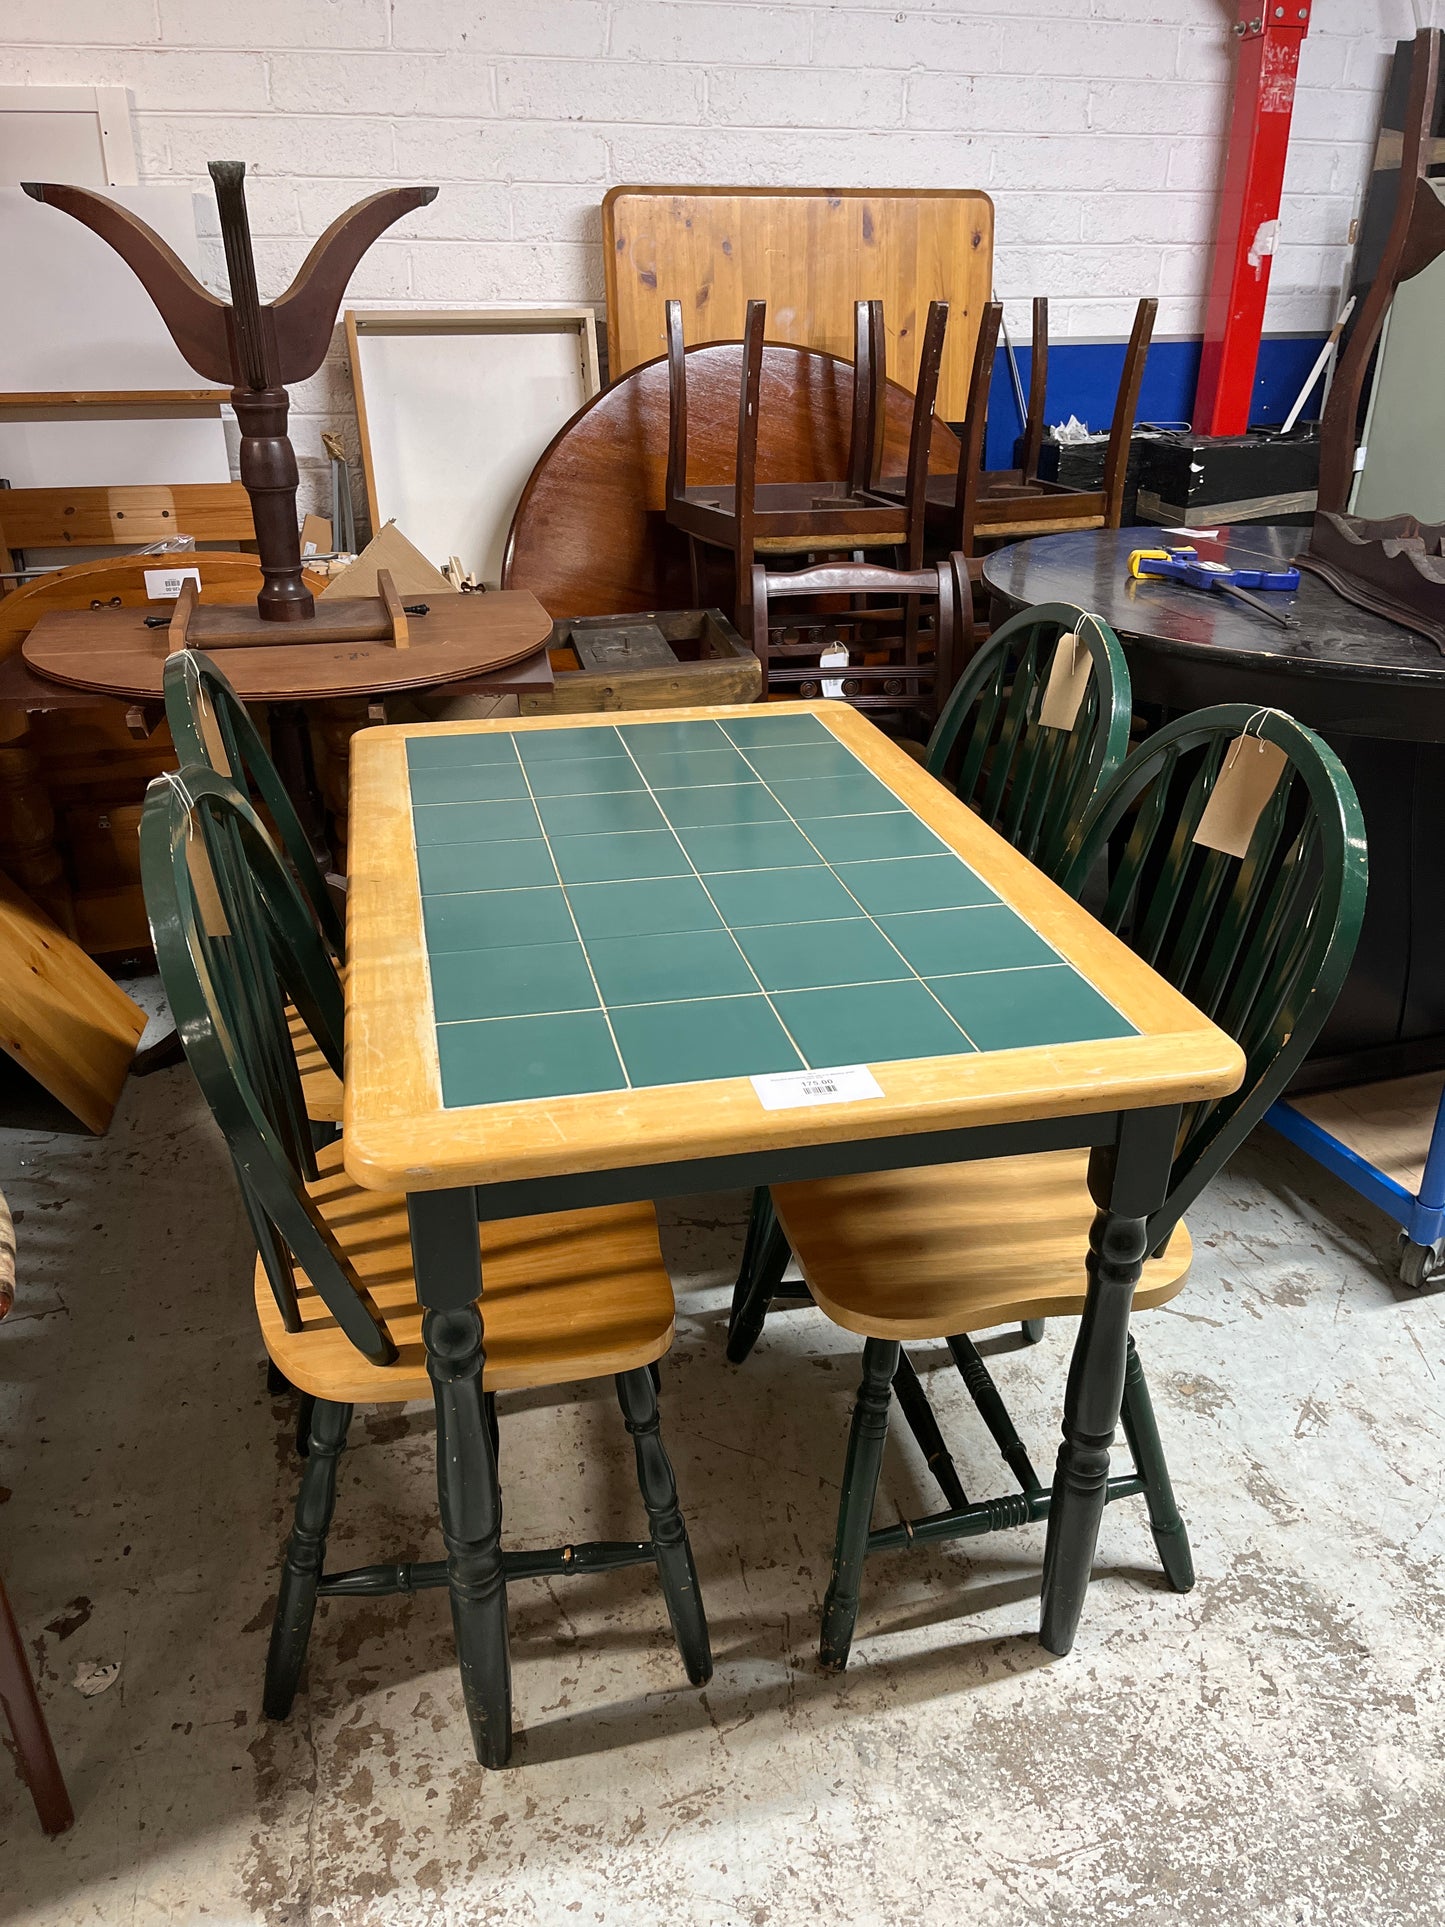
(583, 952)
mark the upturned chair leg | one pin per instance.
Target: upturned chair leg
(1142, 1435)
(919, 1417)
(470, 1502)
(305, 1555)
(866, 1438)
(27, 1722)
(637, 1396)
(765, 1259)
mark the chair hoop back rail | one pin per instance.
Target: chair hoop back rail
(210, 725)
(1029, 780)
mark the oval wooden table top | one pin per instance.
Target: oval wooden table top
(113, 653)
(1339, 668)
(590, 536)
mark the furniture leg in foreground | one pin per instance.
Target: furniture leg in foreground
(26, 1718)
(1128, 1181)
(447, 1258)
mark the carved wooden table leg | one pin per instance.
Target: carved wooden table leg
(1128, 1181)
(28, 852)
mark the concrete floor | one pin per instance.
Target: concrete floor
(1266, 1750)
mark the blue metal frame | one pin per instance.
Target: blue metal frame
(1420, 1217)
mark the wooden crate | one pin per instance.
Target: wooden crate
(665, 659)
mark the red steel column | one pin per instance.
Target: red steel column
(1270, 34)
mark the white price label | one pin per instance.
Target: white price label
(164, 585)
(786, 1090)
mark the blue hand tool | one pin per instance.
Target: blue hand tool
(1184, 565)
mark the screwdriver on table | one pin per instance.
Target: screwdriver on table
(1184, 565)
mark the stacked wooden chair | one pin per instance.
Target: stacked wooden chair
(1261, 943)
(809, 517)
(905, 633)
(568, 1296)
(1028, 778)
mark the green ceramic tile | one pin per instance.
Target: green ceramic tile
(492, 918)
(590, 776)
(856, 839)
(1008, 1010)
(792, 762)
(536, 746)
(950, 942)
(611, 859)
(657, 970)
(800, 956)
(748, 897)
(686, 1043)
(646, 909)
(452, 752)
(520, 980)
(694, 768)
(914, 883)
(469, 783)
(653, 739)
(517, 1057)
(597, 815)
(474, 822)
(446, 867)
(815, 796)
(769, 731)
(868, 1023)
(720, 803)
(747, 846)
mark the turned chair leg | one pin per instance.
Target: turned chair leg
(305, 1556)
(27, 1723)
(1142, 1435)
(765, 1259)
(1032, 1330)
(992, 1410)
(667, 1529)
(637, 1396)
(861, 1469)
(919, 1417)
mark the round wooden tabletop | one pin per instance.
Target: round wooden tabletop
(113, 653)
(1339, 668)
(590, 536)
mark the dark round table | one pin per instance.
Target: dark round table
(1374, 690)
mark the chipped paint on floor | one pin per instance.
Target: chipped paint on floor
(1270, 1749)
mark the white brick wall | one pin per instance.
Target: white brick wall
(1095, 124)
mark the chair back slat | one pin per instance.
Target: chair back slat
(1026, 779)
(228, 978)
(210, 725)
(1260, 942)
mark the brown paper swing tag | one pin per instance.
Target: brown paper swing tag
(211, 735)
(1069, 674)
(203, 884)
(1244, 785)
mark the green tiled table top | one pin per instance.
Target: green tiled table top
(666, 903)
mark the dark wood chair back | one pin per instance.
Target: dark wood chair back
(906, 631)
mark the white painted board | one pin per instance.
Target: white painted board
(455, 422)
(73, 316)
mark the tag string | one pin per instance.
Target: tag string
(1258, 717)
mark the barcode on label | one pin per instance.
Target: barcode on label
(784, 1090)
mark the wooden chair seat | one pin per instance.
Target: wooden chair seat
(569, 1295)
(956, 1247)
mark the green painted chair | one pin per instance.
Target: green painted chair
(568, 1296)
(1028, 780)
(211, 727)
(1261, 944)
